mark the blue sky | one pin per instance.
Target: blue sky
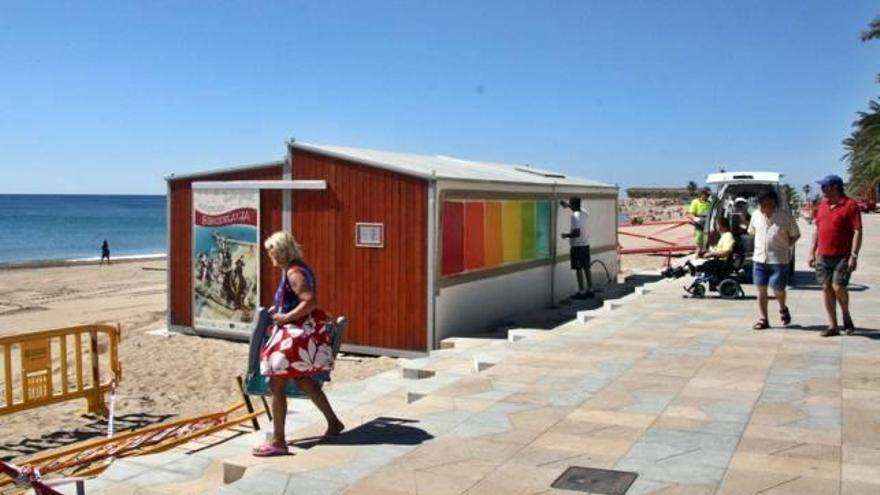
(109, 97)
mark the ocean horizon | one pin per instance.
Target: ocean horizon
(62, 227)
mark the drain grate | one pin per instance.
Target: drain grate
(599, 481)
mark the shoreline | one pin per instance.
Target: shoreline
(18, 265)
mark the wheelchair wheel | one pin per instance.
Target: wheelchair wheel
(728, 289)
(698, 290)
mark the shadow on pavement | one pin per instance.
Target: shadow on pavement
(380, 431)
(868, 333)
(806, 280)
(96, 428)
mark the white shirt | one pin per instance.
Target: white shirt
(579, 221)
(773, 236)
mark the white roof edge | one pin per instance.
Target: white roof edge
(372, 163)
(535, 184)
(299, 185)
(550, 181)
(732, 177)
(253, 166)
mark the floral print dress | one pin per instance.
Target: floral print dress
(301, 348)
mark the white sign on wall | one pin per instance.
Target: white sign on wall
(370, 235)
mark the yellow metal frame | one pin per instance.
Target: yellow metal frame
(38, 364)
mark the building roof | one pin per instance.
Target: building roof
(447, 167)
(226, 170)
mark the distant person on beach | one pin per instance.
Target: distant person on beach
(834, 252)
(698, 211)
(774, 231)
(105, 252)
(580, 248)
(299, 346)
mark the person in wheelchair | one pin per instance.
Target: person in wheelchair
(719, 256)
(720, 269)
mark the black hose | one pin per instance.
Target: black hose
(607, 273)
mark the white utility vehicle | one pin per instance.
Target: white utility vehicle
(736, 198)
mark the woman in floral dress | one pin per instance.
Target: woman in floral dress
(299, 346)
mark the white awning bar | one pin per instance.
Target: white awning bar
(297, 185)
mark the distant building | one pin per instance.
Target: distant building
(657, 193)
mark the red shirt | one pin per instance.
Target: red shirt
(836, 226)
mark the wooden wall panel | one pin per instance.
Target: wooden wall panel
(382, 291)
(180, 231)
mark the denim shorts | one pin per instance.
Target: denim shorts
(773, 274)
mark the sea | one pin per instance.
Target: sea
(50, 227)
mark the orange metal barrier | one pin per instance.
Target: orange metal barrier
(93, 456)
(39, 369)
(659, 238)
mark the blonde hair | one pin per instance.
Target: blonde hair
(282, 246)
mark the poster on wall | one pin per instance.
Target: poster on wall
(226, 258)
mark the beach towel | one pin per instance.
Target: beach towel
(258, 384)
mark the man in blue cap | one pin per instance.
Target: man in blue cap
(835, 250)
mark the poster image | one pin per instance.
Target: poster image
(226, 257)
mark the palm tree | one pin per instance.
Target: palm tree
(807, 189)
(692, 188)
(791, 196)
(873, 31)
(863, 145)
(863, 149)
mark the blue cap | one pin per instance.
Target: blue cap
(830, 180)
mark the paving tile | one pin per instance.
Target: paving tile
(793, 466)
(305, 485)
(739, 482)
(454, 477)
(861, 473)
(857, 488)
(799, 434)
(612, 418)
(264, 482)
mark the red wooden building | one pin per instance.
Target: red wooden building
(411, 248)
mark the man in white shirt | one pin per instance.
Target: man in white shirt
(580, 248)
(774, 231)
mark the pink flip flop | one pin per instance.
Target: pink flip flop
(269, 450)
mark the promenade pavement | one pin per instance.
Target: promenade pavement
(680, 391)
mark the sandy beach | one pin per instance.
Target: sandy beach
(162, 376)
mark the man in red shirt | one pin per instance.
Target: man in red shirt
(835, 250)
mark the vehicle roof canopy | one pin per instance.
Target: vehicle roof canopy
(724, 178)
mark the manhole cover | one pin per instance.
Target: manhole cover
(603, 481)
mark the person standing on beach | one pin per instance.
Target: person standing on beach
(835, 250)
(775, 231)
(580, 248)
(105, 252)
(698, 211)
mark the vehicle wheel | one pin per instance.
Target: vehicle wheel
(698, 290)
(728, 289)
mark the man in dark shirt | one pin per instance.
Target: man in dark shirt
(835, 250)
